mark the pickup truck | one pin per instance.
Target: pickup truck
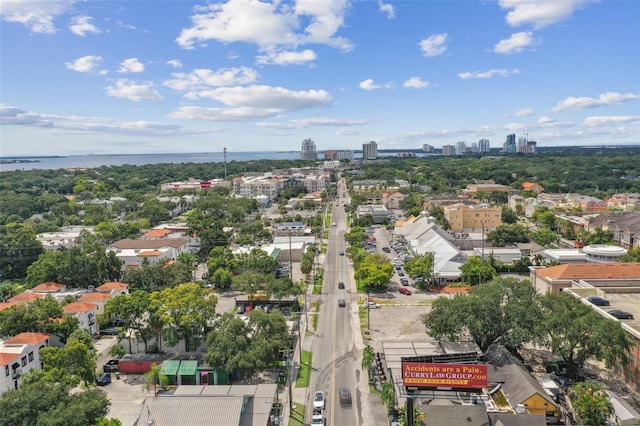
(111, 366)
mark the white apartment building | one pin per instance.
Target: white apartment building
(133, 252)
(86, 314)
(64, 238)
(18, 355)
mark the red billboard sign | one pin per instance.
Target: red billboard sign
(434, 375)
(205, 185)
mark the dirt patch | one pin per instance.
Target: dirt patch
(449, 290)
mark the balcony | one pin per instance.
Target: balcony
(16, 373)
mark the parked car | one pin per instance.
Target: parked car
(370, 305)
(345, 396)
(241, 310)
(398, 267)
(620, 314)
(598, 301)
(110, 332)
(342, 303)
(386, 249)
(103, 379)
(341, 285)
(404, 281)
(117, 322)
(401, 272)
(111, 366)
(404, 290)
(318, 400)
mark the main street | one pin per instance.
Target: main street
(335, 359)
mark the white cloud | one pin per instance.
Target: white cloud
(221, 114)
(416, 83)
(267, 24)
(128, 89)
(37, 15)
(131, 65)
(287, 57)
(349, 132)
(175, 63)
(524, 112)
(368, 84)
(540, 13)
(81, 25)
(488, 74)
(204, 78)
(84, 64)
(434, 45)
(388, 9)
(605, 99)
(598, 121)
(515, 44)
(546, 120)
(309, 122)
(271, 98)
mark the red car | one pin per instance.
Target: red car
(404, 290)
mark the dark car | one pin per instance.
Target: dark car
(386, 249)
(341, 285)
(345, 396)
(341, 253)
(111, 366)
(117, 322)
(404, 291)
(598, 301)
(103, 379)
(342, 303)
(110, 332)
(620, 314)
(240, 310)
(404, 281)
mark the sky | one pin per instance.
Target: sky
(138, 77)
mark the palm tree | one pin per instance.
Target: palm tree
(368, 355)
(153, 378)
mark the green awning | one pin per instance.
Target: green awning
(169, 367)
(188, 368)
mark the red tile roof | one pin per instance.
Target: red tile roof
(75, 307)
(47, 288)
(592, 271)
(108, 286)
(6, 358)
(94, 297)
(157, 233)
(25, 297)
(27, 339)
(150, 253)
(6, 305)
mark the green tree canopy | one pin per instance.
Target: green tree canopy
(18, 249)
(508, 234)
(187, 311)
(591, 403)
(503, 311)
(76, 361)
(375, 271)
(476, 271)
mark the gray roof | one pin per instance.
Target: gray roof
(191, 411)
(518, 384)
(440, 413)
(510, 419)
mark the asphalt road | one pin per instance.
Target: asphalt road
(334, 356)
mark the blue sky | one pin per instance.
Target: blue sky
(106, 77)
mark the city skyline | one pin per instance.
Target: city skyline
(134, 78)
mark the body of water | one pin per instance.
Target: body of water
(93, 161)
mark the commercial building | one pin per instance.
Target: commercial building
(473, 218)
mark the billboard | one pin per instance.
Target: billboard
(444, 376)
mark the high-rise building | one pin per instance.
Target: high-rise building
(461, 148)
(370, 151)
(510, 144)
(484, 146)
(428, 148)
(308, 152)
(448, 150)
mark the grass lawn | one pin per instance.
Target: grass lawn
(297, 414)
(304, 372)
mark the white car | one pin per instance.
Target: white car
(370, 305)
(318, 400)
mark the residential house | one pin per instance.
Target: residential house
(98, 299)
(18, 355)
(624, 202)
(66, 237)
(521, 390)
(113, 288)
(170, 231)
(6, 305)
(473, 189)
(533, 187)
(132, 253)
(25, 297)
(626, 230)
(392, 201)
(48, 288)
(86, 314)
